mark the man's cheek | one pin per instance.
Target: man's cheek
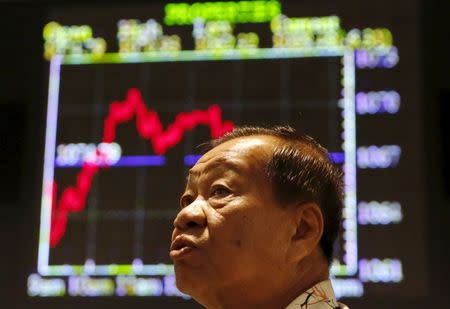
(242, 236)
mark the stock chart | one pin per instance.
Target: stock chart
(133, 92)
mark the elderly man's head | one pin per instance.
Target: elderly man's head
(258, 219)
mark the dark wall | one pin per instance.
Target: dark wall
(21, 131)
(436, 66)
(22, 108)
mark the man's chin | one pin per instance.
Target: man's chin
(188, 281)
(186, 286)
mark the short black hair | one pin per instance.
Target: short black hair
(301, 171)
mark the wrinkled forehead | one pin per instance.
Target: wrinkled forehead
(246, 155)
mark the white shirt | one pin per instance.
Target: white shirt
(320, 296)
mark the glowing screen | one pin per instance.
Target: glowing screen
(133, 91)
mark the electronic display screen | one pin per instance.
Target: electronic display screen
(134, 89)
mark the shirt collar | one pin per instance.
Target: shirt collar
(319, 296)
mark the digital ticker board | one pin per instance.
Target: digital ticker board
(133, 90)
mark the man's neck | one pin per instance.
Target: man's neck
(264, 292)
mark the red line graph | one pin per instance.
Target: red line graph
(149, 127)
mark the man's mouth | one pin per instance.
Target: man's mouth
(181, 246)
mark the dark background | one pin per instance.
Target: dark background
(23, 83)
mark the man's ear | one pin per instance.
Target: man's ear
(309, 229)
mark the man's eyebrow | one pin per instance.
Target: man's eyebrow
(223, 162)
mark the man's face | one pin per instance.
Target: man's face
(230, 229)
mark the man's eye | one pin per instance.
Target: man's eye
(186, 200)
(220, 191)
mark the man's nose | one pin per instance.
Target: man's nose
(191, 216)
